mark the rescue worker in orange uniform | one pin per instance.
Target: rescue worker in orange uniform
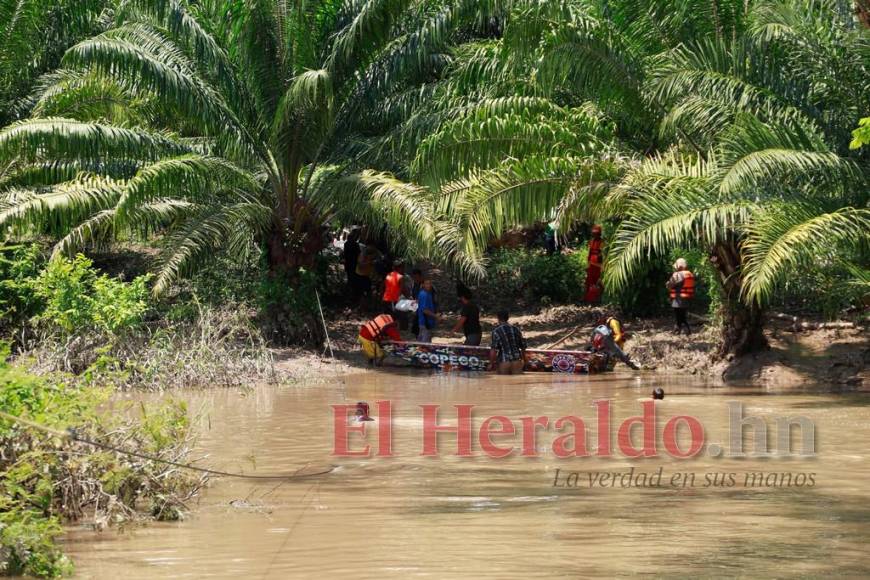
(393, 292)
(595, 260)
(373, 332)
(682, 290)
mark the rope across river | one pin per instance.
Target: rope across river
(73, 435)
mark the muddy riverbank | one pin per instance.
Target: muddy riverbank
(835, 356)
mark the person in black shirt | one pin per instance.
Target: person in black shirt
(469, 321)
(507, 353)
(351, 258)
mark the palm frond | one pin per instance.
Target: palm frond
(193, 178)
(67, 139)
(195, 240)
(785, 237)
(59, 208)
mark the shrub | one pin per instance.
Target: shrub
(78, 298)
(531, 276)
(28, 543)
(45, 480)
(288, 309)
(829, 289)
(19, 265)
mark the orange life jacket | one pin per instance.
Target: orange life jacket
(687, 289)
(377, 326)
(393, 287)
(595, 250)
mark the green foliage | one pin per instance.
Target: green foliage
(28, 543)
(533, 277)
(77, 298)
(861, 135)
(260, 130)
(288, 306)
(27, 527)
(827, 288)
(45, 479)
(35, 34)
(19, 265)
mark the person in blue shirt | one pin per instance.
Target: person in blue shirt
(427, 316)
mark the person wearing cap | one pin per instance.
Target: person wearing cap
(681, 286)
(594, 262)
(373, 332)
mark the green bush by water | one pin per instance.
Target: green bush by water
(46, 480)
(532, 277)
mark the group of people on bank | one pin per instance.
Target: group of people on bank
(507, 344)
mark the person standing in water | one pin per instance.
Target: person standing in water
(469, 321)
(507, 354)
(682, 290)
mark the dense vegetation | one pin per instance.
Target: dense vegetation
(45, 480)
(224, 141)
(220, 126)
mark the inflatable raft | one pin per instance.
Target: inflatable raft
(476, 358)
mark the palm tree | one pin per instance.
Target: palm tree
(778, 189)
(217, 123)
(730, 133)
(554, 110)
(33, 36)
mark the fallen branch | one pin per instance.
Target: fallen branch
(563, 339)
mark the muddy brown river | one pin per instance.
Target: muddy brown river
(446, 516)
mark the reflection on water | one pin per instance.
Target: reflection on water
(449, 517)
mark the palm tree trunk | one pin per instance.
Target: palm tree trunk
(743, 325)
(289, 316)
(743, 330)
(295, 242)
(714, 5)
(276, 249)
(862, 9)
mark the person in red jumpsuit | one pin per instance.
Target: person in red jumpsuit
(594, 287)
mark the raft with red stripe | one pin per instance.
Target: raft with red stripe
(476, 358)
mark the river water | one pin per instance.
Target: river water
(480, 517)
